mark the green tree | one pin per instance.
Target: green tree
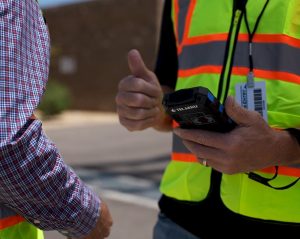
(55, 100)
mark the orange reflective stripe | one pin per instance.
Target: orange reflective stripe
(283, 76)
(187, 23)
(176, 12)
(258, 38)
(182, 157)
(206, 38)
(190, 158)
(175, 124)
(276, 38)
(199, 70)
(10, 221)
(282, 170)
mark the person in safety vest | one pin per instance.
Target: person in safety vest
(240, 184)
(38, 191)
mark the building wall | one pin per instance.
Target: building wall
(90, 42)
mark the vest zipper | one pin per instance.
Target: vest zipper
(216, 177)
(229, 55)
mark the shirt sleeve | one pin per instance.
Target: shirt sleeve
(34, 180)
(167, 63)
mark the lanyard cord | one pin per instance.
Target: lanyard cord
(251, 34)
(265, 181)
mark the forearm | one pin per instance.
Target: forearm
(41, 187)
(289, 148)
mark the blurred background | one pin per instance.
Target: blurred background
(90, 41)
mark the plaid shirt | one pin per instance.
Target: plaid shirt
(34, 180)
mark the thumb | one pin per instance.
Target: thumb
(238, 113)
(137, 65)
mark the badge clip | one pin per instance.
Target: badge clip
(250, 80)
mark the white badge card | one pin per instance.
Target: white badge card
(253, 98)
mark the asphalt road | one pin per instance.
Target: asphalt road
(124, 167)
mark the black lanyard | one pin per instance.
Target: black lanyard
(250, 77)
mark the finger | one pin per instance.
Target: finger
(136, 125)
(239, 114)
(138, 68)
(105, 221)
(137, 113)
(105, 232)
(203, 137)
(134, 84)
(135, 100)
(204, 152)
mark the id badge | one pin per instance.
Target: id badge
(253, 98)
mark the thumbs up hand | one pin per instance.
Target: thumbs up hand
(139, 96)
(251, 146)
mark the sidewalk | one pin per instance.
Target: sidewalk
(123, 167)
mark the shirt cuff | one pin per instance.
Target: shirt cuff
(83, 223)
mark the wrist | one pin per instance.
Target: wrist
(288, 147)
(294, 133)
(164, 122)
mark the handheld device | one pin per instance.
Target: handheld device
(197, 108)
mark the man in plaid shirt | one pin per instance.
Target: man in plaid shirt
(34, 180)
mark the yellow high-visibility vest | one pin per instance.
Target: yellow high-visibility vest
(202, 29)
(14, 226)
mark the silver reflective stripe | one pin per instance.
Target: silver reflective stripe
(6, 212)
(193, 56)
(267, 56)
(178, 146)
(295, 166)
(270, 56)
(183, 11)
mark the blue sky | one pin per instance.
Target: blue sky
(53, 3)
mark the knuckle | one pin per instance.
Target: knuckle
(256, 116)
(121, 112)
(122, 83)
(157, 92)
(140, 113)
(118, 99)
(139, 85)
(155, 102)
(140, 100)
